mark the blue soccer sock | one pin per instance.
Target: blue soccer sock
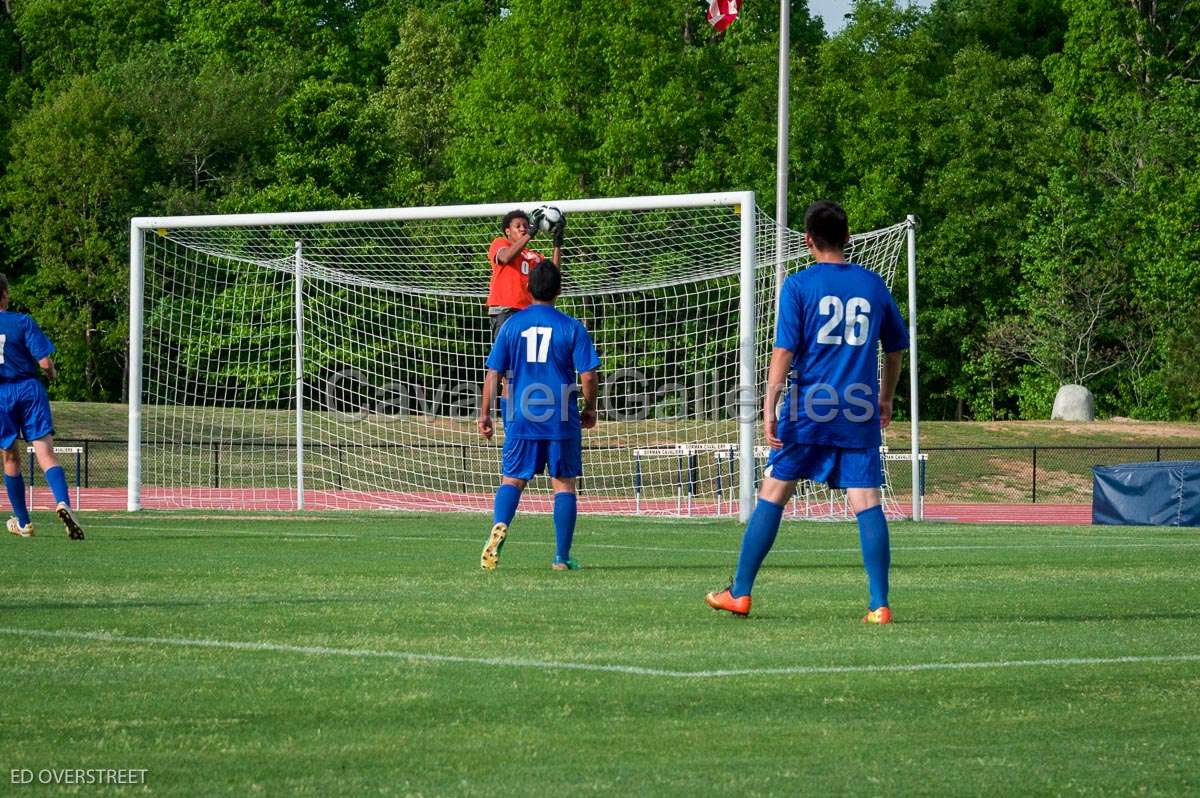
(58, 485)
(565, 510)
(756, 542)
(16, 497)
(877, 553)
(505, 506)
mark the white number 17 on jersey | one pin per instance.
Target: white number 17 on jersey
(537, 344)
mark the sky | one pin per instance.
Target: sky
(834, 11)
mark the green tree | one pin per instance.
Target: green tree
(70, 189)
(327, 133)
(570, 99)
(206, 123)
(983, 143)
(871, 86)
(66, 38)
(1068, 325)
(321, 34)
(1128, 102)
(432, 53)
(1008, 28)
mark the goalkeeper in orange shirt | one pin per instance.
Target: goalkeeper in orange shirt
(511, 264)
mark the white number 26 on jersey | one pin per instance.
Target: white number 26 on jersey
(537, 344)
(854, 313)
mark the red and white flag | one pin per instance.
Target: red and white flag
(722, 13)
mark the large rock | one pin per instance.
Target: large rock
(1073, 403)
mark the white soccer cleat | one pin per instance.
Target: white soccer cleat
(15, 527)
(74, 530)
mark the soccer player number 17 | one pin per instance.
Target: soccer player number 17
(537, 344)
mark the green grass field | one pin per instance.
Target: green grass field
(367, 653)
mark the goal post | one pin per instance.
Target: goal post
(137, 237)
(332, 359)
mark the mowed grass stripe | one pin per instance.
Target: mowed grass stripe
(584, 544)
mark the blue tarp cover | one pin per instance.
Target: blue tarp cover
(1160, 494)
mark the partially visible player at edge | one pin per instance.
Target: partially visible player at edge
(540, 349)
(25, 411)
(511, 262)
(831, 318)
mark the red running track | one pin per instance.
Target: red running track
(285, 499)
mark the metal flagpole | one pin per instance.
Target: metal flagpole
(918, 508)
(781, 148)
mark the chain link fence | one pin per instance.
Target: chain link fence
(1022, 474)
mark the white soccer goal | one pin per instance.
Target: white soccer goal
(333, 359)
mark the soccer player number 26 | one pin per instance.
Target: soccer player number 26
(854, 313)
(537, 344)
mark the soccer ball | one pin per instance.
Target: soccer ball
(550, 218)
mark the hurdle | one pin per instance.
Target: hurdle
(726, 457)
(75, 450)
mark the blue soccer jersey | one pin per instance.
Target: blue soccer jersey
(22, 345)
(539, 351)
(832, 316)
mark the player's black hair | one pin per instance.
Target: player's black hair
(545, 281)
(3, 283)
(508, 219)
(826, 222)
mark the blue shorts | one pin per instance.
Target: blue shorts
(523, 458)
(833, 465)
(24, 411)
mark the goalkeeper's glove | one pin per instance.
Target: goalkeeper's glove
(559, 229)
(535, 221)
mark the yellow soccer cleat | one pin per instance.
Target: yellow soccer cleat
(491, 551)
(74, 530)
(880, 616)
(15, 527)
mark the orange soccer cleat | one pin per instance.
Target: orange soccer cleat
(724, 600)
(880, 616)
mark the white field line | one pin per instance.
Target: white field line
(1083, 544)
(552, 665)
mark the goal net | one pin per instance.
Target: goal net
(334, 360)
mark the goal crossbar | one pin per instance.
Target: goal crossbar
(497, 209)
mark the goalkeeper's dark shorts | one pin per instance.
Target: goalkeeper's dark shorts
(498, 319)
(833, 465)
